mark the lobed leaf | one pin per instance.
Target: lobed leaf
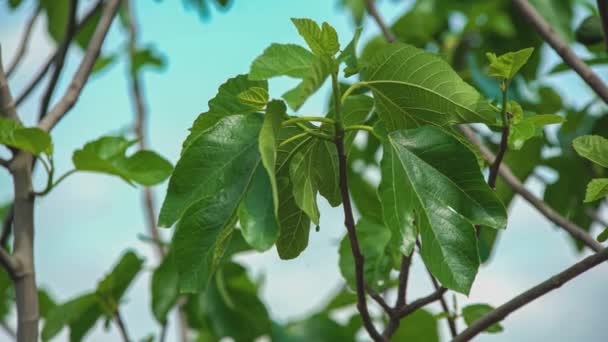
(33, 140)
(507, 65)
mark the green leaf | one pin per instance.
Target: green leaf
(233, 306)
(164, 288)
(305, 177)
(592, 147)
(102, 63)
(294, 61)
(32, 139)
(294, 224)
(113, 286)
(519, 133)
(419, 326)
(259, 224)
(46, 303)
(596, 189)
(420, 25)
(86, 30)
(227, 155)
(373, 240)
(590, 31)
(603, 236)
(268, 144)
(107, 155)
(450, 196)
(349, 55)
(321, 40)
(6, 294)
(255, 96)
(77, 313)
(507, 65)
(541, 120)
(412, 87)
(318, 328)
(473, 312)
(57, 12)
(146, 57)
(225, 103)
(560, 67)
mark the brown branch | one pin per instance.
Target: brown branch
(378, 298)
(444, 307)
(404, 273)
(84, 70)
(504, 142)
(8, 330)
(602, 6)
(9, 263)
(419, 303)
(24, 43)
(514, 183)
(530, 295)
(6, 227)
(7, 105)
(349, 222)
(4, 162)
(49, 61)
(59, 60)
(122, 328)
(373, 11)
(545, 30)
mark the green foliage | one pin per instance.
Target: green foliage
(590, 31)
(603, 236)
(146, 57)
(594, 148)
(419, 326)
(107, 155)
(507, 65)
(32, 139)
(81, 313)
(473, 312)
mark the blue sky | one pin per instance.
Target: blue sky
(85, 224)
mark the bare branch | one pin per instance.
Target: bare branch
(7, 106)
(6, 226)
(8, 330)
(514, 183)
(4, 162)
(24, 43)
(419, 303)
(528, 296)
(47, 64)
(373, 11)
(59, 59)
(84, 70)
(404, 273)
(9, 263)
(444, 307)
(504, 143)
(122, 328)
(602, 6)
(378, 298)
(545, 30)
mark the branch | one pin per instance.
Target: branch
(8, 330)
(444, 307)
(349, 222)
(122, 329)
(378, 298)
(24, 43)
(514, 183)
(404, 273)
(418, 303)
(504, 141)
(4, 162)
(373, 11)
(47, 64)
(528, 296)
(7, 106)
(602, 6)
(6, 226)
(561, 47)
(84, 70)
(59, 59)
(9, 263)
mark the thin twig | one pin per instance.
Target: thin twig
(528, 296)
(4, 162)
(7, 105)
(418, 303)
(122, 328)
(59, 60)
(379, 299)
(373, 11)
(81, 76)
(49, 61)
(602, 6)
(24, 43)
(8, 330)
(514, 183)
(444, 307)
(504, 141)
(9, 263)
(560, 46)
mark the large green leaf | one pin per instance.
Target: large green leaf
(419, 326)
(268, 144)
(373, 240)
(210, 180)
(473, 312)
(450, 195)
(592, 147)
(72, 313)
(294, 61)
(412, 87)
(107, 155)
(32, 139)
(225, 103)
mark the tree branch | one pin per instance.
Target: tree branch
(47, 64)
(6, 226)
(59, 59)
(122, 328)
(349, 222)
(404, 273)
(528, 296)
(7, 106)
(514, 183)
(9, 263)
(373, 11)
(378, 298)
(545, 30)
(602, 6)
(8, 330)
(418, 303)
(24, 43)
(504, 142)
(444, 307)
(84, 70)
